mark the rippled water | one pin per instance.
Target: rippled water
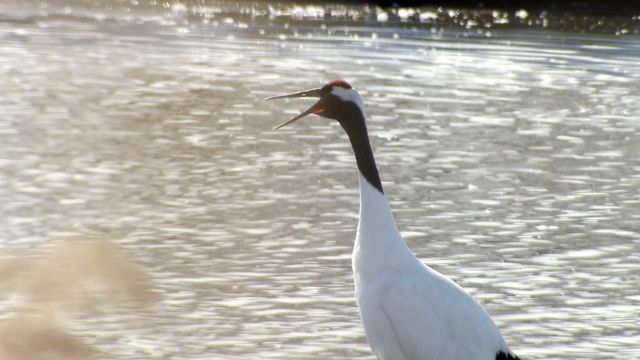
(511, 159)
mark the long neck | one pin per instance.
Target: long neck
(378, 242)
(359, 138)
(377, 235)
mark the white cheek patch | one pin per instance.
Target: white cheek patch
(348, 95)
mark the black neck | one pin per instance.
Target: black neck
(354, 124)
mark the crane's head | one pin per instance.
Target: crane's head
(338, 101)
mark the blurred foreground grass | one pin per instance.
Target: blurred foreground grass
(45, 290)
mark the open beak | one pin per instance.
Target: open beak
(315, 109)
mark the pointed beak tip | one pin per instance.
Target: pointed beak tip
(306, 93)
(313, 109)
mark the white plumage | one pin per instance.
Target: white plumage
(410, 311)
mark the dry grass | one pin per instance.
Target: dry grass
(74, 276)
(31, 337)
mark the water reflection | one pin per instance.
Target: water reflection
(511, 161)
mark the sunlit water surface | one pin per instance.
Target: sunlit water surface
(511, 160)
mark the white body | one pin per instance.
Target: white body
(410, 311)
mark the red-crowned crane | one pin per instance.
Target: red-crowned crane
(409, 311)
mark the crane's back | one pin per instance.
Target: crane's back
(410, 311)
